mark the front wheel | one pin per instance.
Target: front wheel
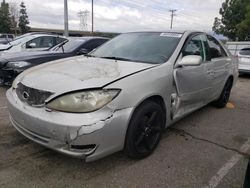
(145, 130)
(225, 94)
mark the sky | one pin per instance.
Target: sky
(125, 15)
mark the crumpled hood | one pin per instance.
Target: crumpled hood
(77, 73)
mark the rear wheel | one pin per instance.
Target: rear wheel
(145, 130)
(225, 94)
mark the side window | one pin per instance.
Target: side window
(34, 43)
(59, 40)
(216, 50)
(195, 46)
(47, 42)
(10, 36)
(92, 44)
(41, 42)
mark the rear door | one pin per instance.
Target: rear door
(193, 83)
(220, 64)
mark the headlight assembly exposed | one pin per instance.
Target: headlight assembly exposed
(84, 101)
(18, 64)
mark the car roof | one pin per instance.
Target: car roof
(87, 38)
(33, 35)
(170, 31)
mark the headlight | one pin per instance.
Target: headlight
(85, 101)
(18, 64)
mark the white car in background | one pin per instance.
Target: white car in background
(31, 42)
(244, 61)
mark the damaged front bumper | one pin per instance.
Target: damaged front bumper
(89, 136)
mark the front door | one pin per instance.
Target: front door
(193, 83)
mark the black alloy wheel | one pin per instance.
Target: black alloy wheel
(145, 130)
(225, 95)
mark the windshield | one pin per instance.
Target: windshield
(150, 47)
(20, 40)
(69, 46)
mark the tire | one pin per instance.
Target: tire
(144, 130)
(224, 96)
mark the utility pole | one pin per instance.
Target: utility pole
(92, 17)
(172, 17)
(66, 23)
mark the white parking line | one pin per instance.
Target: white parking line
(3, 107)
(215, 180)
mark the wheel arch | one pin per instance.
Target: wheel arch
(155, 98)
(231, 79)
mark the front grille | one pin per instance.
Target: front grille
(31, 96)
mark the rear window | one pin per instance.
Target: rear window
(245, 51)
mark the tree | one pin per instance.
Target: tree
(244, 26)
(5, 21)
(233, 13)
(14, 15)
(23, 19)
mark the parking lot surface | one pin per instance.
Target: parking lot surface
(208, 148)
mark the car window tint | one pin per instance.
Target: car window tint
(10, 36)
(245, 51)
(195, 46)
(42, 42)
(35, 41)
(206, 48)
(46, 42)
(59, 40)
(216, 50)
(92, 44)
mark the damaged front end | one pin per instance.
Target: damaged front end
(89, 136)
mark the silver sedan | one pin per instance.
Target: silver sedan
(122, 95)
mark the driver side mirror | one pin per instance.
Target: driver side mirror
(190, 60)
(32, 45)
(82, 51)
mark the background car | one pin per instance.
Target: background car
(6, 38)
(32, 42)
(123, 94)
(244, 61)
(12, 64)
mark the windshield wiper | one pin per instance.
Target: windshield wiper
(117, 58)
(60, 45)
